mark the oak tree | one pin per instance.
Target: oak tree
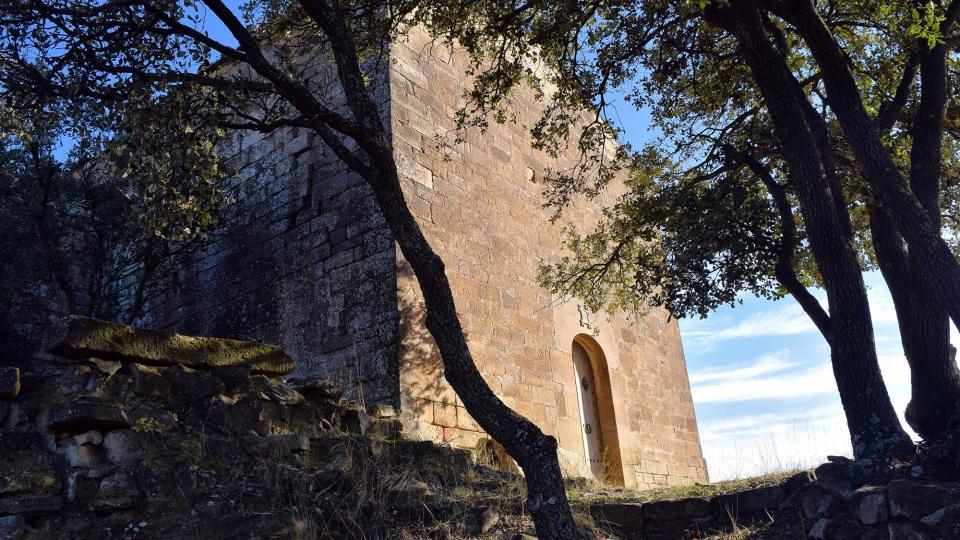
(307, 64)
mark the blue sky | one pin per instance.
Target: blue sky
(760, 372)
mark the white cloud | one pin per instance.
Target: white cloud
(744, 446)
(788, 320)
(748, 438)
(881, 306)
(769, 363)
(766, 378)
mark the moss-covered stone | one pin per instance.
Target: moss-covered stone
(84, 337)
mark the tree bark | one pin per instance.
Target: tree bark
(938, 269)
(786, 256)
(875, 430)
(534, 451)
(935, 403)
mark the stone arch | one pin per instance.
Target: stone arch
(611, 470)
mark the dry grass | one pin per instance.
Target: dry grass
(595, 493)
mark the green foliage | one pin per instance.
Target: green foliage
(716, 223)
(91, 224)
(674, 239)
(925, 24)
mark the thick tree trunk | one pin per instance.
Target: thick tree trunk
(924, 333)
(938, 269)
(534, 451)
(935, 403)
(875, 430)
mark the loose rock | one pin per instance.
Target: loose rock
(147, 381)
(906, 530)
(381, 410)
(835, 477)
(872, 508)
(12, 527)
(481, 521)
(915, 500)
(86, 456)
(123, 447)
(31, 506)
(9, 382)
(945, 521)
(107, 367)
(84, 337)
(279, 392)
(193, 383)
(117, 492)
(84, 415)
(93, 437)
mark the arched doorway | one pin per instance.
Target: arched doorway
(598, 426)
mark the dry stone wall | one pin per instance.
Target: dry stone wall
(303, 260)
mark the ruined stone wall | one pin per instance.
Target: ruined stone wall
(303, 259)
(481, 209)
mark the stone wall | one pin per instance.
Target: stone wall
(303, 260)
(481, 209)
(306, 261)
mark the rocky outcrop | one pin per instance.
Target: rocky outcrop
(166, 436)
(82, 338)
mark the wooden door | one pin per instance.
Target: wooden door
(589, 417)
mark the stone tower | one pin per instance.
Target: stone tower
(306, 261)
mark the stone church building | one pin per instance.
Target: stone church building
(307, 262)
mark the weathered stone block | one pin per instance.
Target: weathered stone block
(34, 482)
(147, 381)
(117, 492)
(869, 504)
(193, 383)
(905, 530)
(945, 521)
(381, 410)
(444, 415)
(317, 389)
(836, 478)
(93, 437)
(746, 502)
(625, 518)
(12, 527)
(123, 447)
(86, 456)
(83, 337)
(107, 367)
(30, 506)
(679, 509)
(9, 382)
(915, 500)
(86, 414)
(289, 443)
(277, 391)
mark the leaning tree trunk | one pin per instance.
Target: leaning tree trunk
(875, 430)
(939, 271)
(534, 451)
